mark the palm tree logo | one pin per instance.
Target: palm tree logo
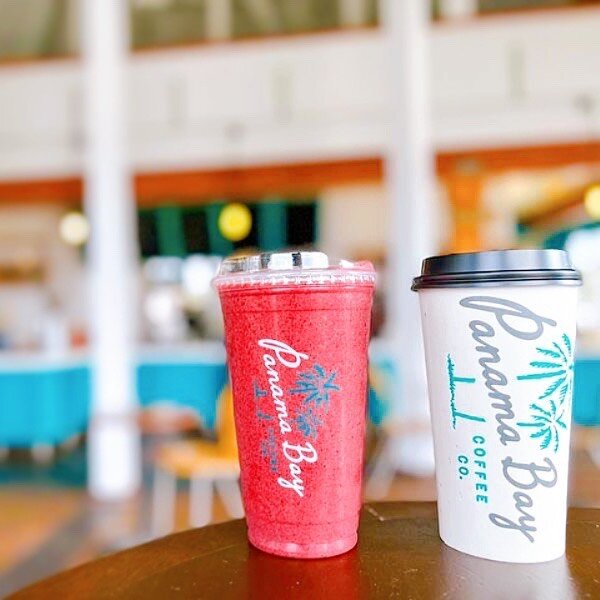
(308, 423)
(547, 424)
(316, 387)
(557, 367)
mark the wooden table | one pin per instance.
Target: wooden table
(399, 556)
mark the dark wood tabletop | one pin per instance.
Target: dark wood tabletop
(399, 556)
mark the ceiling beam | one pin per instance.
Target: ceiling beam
(299, 178)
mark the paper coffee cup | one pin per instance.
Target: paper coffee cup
(499, 334)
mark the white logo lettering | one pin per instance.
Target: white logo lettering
(281, 351)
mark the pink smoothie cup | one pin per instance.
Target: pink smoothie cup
(297, 331)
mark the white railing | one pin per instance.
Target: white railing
(501, 81)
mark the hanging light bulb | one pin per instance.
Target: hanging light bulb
(74, 229)
(235, 222)
(591, 202)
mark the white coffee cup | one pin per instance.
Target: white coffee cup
(499, 333)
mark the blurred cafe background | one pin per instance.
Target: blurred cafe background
(142, 140)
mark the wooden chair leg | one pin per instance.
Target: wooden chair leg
(201, 497)
(164, 495)
(229, 490)
(382, 474)
(594, 453)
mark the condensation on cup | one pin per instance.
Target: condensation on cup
(499, 333)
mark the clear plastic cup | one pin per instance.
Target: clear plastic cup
(297, 331)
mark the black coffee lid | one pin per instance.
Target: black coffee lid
(497, 267)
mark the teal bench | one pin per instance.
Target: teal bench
(586, 403)
(47, 403)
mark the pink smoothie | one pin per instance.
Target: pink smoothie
(298, 361)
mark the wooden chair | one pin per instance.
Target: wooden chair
(382, 465)
(207, 465)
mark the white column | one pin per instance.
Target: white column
(410, 181)
(219, 19)
(114, 442)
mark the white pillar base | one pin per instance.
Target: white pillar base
(114, 458)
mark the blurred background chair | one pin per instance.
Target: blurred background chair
(208, 466)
